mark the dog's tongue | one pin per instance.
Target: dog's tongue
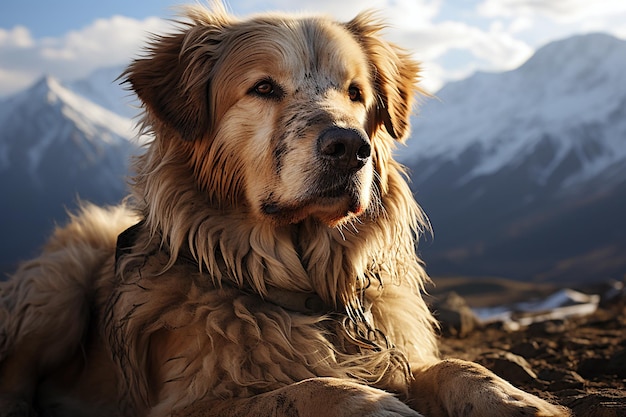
(357, 209)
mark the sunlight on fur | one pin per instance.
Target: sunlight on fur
(265, 262)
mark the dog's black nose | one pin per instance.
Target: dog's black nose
(345, 148)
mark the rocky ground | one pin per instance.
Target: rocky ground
(578, 362)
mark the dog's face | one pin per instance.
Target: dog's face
(287, 117)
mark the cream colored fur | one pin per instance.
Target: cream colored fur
(233, 192)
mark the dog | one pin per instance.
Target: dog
(265, 263)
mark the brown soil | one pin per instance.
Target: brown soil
(580, 363)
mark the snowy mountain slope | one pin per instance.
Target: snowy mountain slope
(104, 88)
(49, 115)
(523, 173)
(55, 147)
(570, 97)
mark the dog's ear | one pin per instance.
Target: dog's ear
(395, 76)
(173, 78)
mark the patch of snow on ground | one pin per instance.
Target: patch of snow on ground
(562, 304)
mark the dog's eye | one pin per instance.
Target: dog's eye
(264, 88)
(354, 93)
(267, 89)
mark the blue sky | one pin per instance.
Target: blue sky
(69, 39)
(55, 18)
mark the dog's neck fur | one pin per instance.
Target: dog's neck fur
(337, 264)
(297, 301)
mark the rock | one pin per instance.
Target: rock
(557, 379)
(601, 366)
(509, 366)
(547, 327)
(618, 363)
(603, 403)
(455, 316)
(526, 349)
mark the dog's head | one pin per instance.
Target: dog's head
(285, 117)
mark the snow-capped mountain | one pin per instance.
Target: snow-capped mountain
(55, 147)
(559, 98)
(523, 173)
(104, 88)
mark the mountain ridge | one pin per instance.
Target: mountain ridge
(485, 107)
(520, 171)
(105, 88)
(47, 102)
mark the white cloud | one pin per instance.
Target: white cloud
(540, 22)
(451, 50)
(12, 81)
(104, 43)
(565, 17)
(560, 10)
(432, 76)
(520, 24)
(18, 37)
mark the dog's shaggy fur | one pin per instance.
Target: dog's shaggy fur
(266, 264)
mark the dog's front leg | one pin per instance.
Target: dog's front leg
(460, 388)
(327, 397)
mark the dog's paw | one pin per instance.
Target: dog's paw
(454, 387)
(375, 403)
(332, 397)
(502, 399)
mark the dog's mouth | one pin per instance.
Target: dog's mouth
(332, 206)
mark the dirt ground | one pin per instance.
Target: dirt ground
(579, 363)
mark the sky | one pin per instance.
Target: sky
(69, 39)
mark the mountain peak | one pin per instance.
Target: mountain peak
(49, 116)
(569, 96)
(49, 91)
(577, 47)
(104, 88)
(45, 83)
(572, 59)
